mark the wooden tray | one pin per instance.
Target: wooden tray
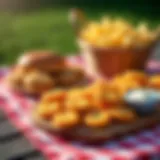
(91, 135)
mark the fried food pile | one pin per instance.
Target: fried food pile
(118, 33)
(37, 72)
(98, 105)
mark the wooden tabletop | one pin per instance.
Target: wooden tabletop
(13, 145)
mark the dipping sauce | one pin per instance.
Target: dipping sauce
(144, 101)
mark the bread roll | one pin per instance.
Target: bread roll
(42, 60)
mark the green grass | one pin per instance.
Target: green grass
(46, 29)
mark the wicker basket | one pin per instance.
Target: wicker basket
(107, 62)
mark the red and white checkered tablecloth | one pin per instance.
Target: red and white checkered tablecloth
(17, 106)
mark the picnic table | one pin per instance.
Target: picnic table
(14, 146)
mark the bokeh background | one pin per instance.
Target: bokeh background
(43, 24)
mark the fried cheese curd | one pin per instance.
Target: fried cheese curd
(154, 82)
(130, 80)
(96, 106)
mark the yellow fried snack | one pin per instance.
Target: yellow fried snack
(46, 111)
(154, 82)
(129, 80)
(122, 115)
(79, 99)
(124, 86)
(97, 119)
(51, 96)
(65, 119)
(145, 34)
(74, 93)
(97, 105)
(139, 77)
(98, 91)
(79, 104)
(117, 33)
(112, 96)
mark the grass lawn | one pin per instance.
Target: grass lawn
(46, 29)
